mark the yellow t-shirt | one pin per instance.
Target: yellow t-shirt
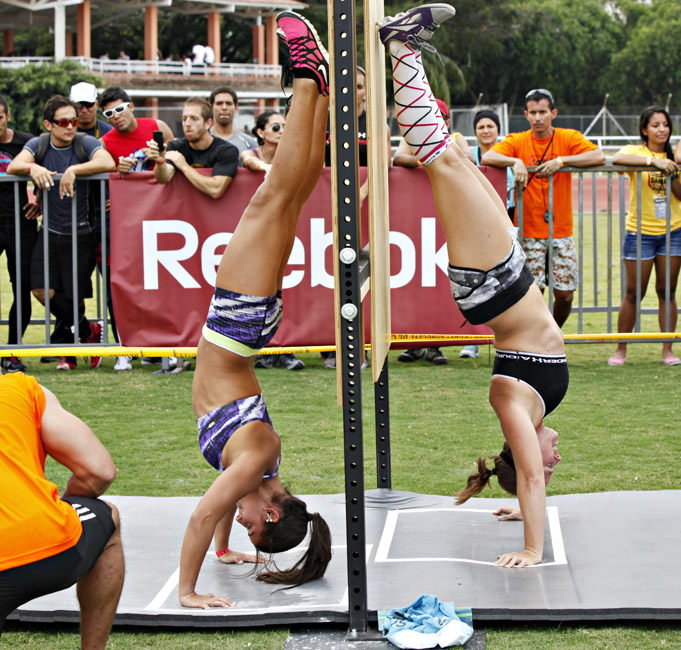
(653, 193)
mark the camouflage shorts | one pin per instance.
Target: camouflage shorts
(564, 262)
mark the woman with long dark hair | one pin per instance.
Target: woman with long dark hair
(235, 432)
(655, 151)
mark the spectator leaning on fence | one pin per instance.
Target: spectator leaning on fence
(198, 149)
(71, 158)
(85, 96)
(130, 134)
(11, 143)
(225, 103)
(655, 152)
(547, 148)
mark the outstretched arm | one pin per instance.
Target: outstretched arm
(242, 477)
(515, 407)
(72, 443)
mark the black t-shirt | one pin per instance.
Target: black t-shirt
(9, 151)
(59, 159)
(221, 156)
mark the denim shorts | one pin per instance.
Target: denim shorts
(651, 245)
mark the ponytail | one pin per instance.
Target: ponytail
(504, 470)
(288, 532)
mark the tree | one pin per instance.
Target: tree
(646, 69)
(28, 88)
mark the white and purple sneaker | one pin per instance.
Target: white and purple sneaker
(309, 58)
(415, 26)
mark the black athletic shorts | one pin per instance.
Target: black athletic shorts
(24, 583)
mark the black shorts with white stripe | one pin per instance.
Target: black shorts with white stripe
(24, 583)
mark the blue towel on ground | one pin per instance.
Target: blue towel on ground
(427, 623)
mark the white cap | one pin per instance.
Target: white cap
(84, 92)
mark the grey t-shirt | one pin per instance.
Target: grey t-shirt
(59, 159)
(240, 140)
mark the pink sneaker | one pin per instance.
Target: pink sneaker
(309, 58)
(616, 360)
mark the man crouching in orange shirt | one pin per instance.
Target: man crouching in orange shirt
(49, 543)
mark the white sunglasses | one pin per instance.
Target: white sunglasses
(116, 110)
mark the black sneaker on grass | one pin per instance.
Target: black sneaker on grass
(412, 355)
(435, 356)
(12, 364)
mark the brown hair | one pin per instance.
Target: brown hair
(204, 107)
(288, 532)
(503, 470)
(53, 104)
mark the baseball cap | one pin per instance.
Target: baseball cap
(444, 109)
(83, 92)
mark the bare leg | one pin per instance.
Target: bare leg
(99, 592)
(562, 305)
(660, 281)
(626, 318)
(252, 260)
(474, 219)
(316, 164)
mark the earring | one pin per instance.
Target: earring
(268, 519)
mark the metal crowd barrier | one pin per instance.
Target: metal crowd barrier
(581, 219)
(101, 279)
(602, 282)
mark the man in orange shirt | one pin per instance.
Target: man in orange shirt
(49, 543)
(548, 149)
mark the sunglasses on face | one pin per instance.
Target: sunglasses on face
(64, 122)
(277, 127)
(116, 110)
(86, 104)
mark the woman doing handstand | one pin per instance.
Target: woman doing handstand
(490, 284)
(235, 431)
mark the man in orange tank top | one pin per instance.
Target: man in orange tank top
(50, 543)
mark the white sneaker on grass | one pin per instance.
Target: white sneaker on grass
(123, 363)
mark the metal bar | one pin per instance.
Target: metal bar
(594, 231)
(667, 257)
(345, 111)
(609, 265)
(18, 280)
(74, 264)
(638, 252)
(550, 258)
(580, 230)
(105, 267)
(46, 264)
(382, 407)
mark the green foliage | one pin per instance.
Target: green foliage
(647, 65)
(27, 89)
(498, 48)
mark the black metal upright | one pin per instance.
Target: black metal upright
(382, 407)
(343, 25)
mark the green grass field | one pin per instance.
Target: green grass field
(616, 430)
(617, 426)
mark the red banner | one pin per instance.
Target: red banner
(167, 241)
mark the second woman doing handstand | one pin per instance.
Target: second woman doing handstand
(490, 284)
